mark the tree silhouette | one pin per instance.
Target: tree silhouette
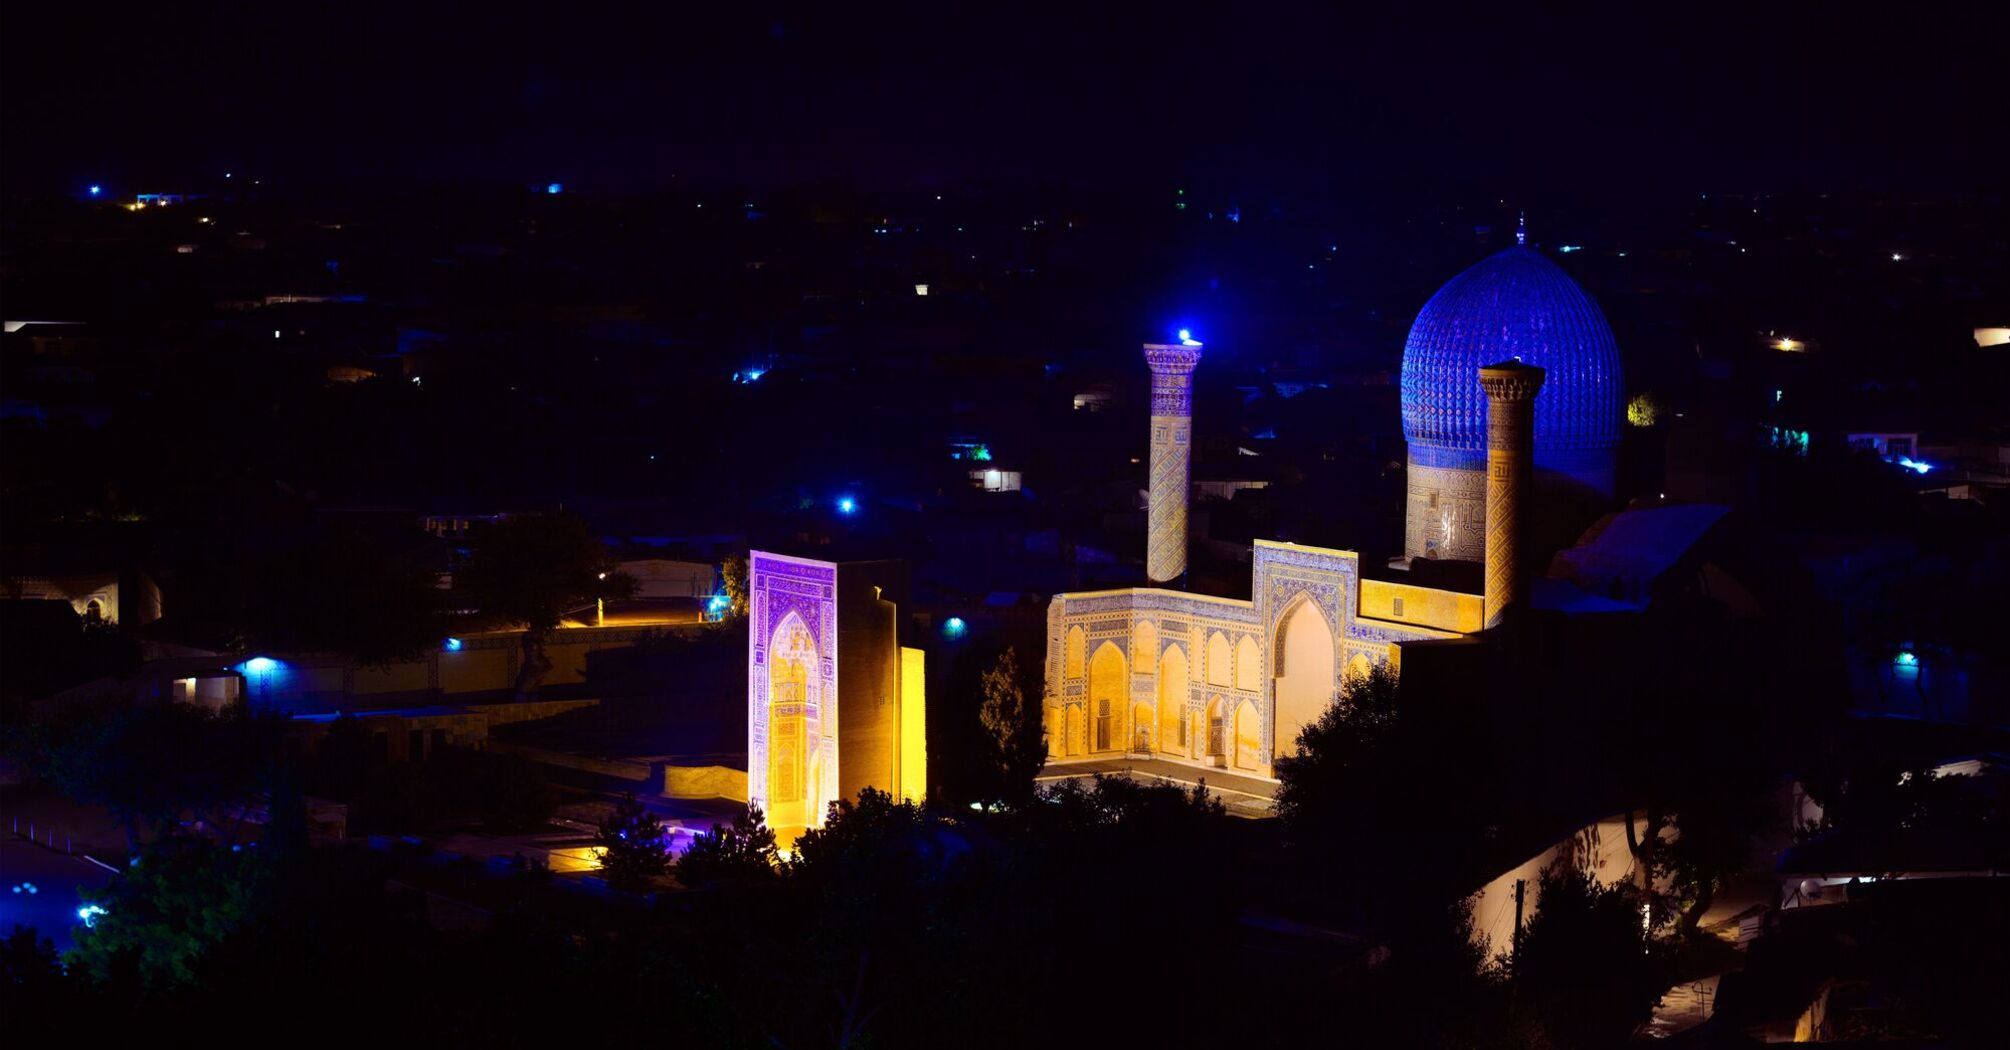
(634, 852)
(531, 570)
(1586, 970)
(739, 853)
(1011, 727)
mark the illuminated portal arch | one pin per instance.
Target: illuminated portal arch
(1109, 699)
(1248, 737)
(1172, 701)
(792, 680)
(1305, 666)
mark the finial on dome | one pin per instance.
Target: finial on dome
(1521, 230)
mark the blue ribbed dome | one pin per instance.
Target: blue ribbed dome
(1513, 304)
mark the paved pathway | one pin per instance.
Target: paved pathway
(1245, 796)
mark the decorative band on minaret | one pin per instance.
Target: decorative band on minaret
(1510, 388)
(1172, 457)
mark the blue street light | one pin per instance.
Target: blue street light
(846, 505)
(954, 627)
(260, 665)
(96, 190)
(554, 188)
(452, 645)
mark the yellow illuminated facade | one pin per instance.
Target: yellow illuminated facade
(1225, 683)
(913, 778)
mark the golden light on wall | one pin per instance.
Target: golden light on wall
(913, 725)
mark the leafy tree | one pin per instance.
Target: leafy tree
(1011, 727)
(1586, 971)
(633, 850)
(533, 569)
(349, 591)
(1349, 737)
(739, 853)
(733, 577)
(150, 765)
(180, 898)
(33, 988)
(1352, 797)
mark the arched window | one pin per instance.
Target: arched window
(1172, 700)
(1078, 647)
(1248, 664)
(1144, 647)
(1220, 661)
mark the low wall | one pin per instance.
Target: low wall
(504, 714)
(705, 782)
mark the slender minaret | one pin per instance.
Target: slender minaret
(1511, 388)
(1172, 456)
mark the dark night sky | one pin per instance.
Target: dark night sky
(1611, 96)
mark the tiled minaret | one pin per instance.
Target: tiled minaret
(1172, 457)
(1510, 388)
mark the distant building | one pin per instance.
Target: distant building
(1229, 683)
(129, 599)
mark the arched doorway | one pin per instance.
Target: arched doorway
(1217, 731)
(1144, 729)
(1248, 737)
(1172, 702)
(792, 677)
(1305, 665)
(1109, 699)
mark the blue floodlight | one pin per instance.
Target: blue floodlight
(96, 189)
(554, 188)
(88, 915)
(846, 505)
(452, 645)
(954, 627)
(260, 665)
(1919, 465)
